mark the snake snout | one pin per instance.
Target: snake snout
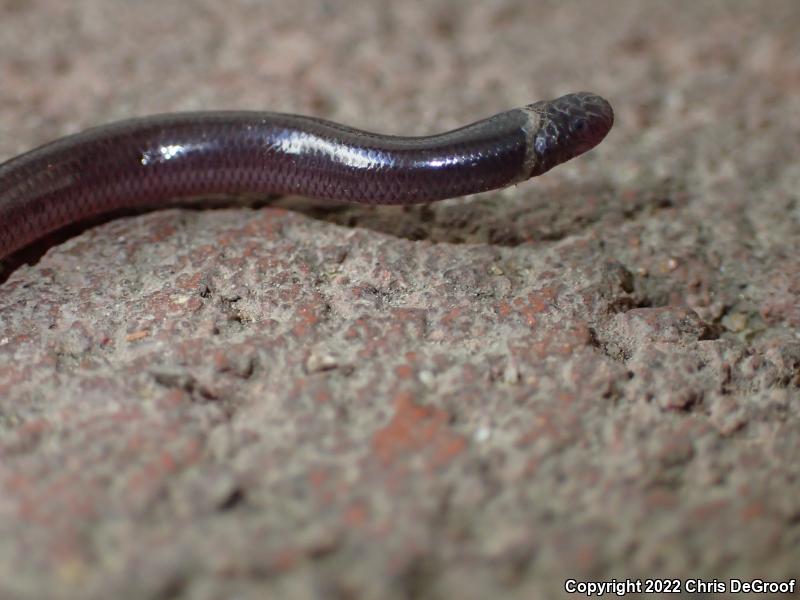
(590, 119)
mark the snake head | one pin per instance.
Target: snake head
(568, 127)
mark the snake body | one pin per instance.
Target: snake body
(148, 161)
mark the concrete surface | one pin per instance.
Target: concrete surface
(592, 375)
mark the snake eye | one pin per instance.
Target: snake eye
(581, 126)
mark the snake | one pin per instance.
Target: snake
(145, 162)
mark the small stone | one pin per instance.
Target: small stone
(317, 362)
(735, 322)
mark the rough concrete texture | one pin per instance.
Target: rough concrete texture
(595, 374)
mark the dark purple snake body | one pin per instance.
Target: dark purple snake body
(146, 162)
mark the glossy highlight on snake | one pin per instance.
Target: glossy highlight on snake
(147, 162)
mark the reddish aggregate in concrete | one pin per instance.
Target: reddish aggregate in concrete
(592, 375)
